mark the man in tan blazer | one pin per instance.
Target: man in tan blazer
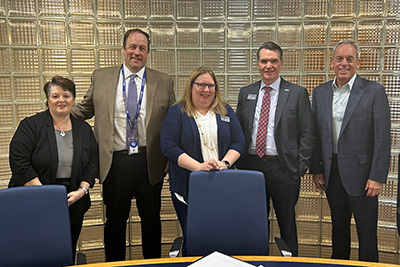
(131, 162)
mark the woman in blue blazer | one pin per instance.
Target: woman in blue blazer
(52, 147)
(200, 132)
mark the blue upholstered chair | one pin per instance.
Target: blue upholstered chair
(227, 213)
(34, 226)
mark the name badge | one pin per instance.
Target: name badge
(133, 147)
(251, 97)
(225, 118)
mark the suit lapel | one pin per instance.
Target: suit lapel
(327, 99)
(77, 141)
(354, 98)
(283, 96)
(151, 84)
(52, 144)
(253, 90)
(111, 81)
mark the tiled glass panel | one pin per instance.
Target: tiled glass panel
(315, 34)
(392, 85)
(393, 8)
(341, 31)
(371, 8)
(314, 60)
(188, 34)
(3, 31)
(289, 34)
(137, 25)
(21, 62)
(291, 60)
(188, 60)
(52, 32)
(162, 34)
(392, 59)
(264, 9)
(161, 9)
(290, 9)
(239, 34)
(81, 32)
(5, 86)
(109, 34)
(181, 85)
(214, 34)
(187, 9)
(213, 9)
(164, 60)
(312, 81)
(92, 237)
(109, 9)
(6, 122)
(215, 59)
(392, 32)
(309, 209)
(316, 9)
(235, 82)
(54, 61)
(263, 32)
(25, 8)
(238, 9)
(394, 113)
(136, 9)
(370, 32)
(292, 78)
(82, 83)
(82, 60)
(24, 110)
(23, 32)
(109, 58)
(238, 60)
(27, 88)
(342, 8)
(2, 7)
(5, 60)
(51, 8)
(370, 59)
(81, 8)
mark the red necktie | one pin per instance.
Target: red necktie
(263, 124)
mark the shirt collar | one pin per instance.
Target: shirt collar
(274, 86)
(128, 73)
(349, 84)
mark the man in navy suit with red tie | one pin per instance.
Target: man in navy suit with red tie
(275, 116)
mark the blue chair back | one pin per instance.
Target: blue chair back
(227, 212)
(34, 226)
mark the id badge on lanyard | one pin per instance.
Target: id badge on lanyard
(133, 145)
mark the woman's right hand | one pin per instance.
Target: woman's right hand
(208, 165)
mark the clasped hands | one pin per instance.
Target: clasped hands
(211, 165)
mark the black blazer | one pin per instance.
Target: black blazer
(293, 129)
(33, 153)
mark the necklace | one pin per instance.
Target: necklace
(62, 133)
(205, 143)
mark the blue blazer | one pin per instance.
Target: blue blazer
(179, 134)
(364, 138)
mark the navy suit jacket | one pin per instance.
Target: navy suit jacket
(33, 153)
(179, 134)
(364, 138)
(293, 129)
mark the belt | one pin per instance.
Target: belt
(266, 157)
(142, 149)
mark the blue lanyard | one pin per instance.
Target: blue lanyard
(128, 115)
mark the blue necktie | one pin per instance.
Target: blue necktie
(132, 134)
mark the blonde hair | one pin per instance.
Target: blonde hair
(217, 105)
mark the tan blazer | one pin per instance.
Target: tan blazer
(99, 100)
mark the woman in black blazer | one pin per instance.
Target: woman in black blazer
(53, 147)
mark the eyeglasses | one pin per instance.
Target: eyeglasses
(202, 86)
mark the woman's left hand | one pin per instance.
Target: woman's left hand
(74, 196)
(221, 166)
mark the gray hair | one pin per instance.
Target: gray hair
(351, 42)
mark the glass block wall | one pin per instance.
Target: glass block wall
(43, 38)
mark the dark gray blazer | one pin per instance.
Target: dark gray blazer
(364, 139)
(293, 129)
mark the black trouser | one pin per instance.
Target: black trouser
(365, 210)
(284, 192)
(128, 178)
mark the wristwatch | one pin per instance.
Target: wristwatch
(84, 190)
(228, 165)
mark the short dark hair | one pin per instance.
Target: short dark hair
(270, 46)
(128, 33)
(64, 83)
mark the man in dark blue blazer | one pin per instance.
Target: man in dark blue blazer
(352, 150)
(284, 151)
